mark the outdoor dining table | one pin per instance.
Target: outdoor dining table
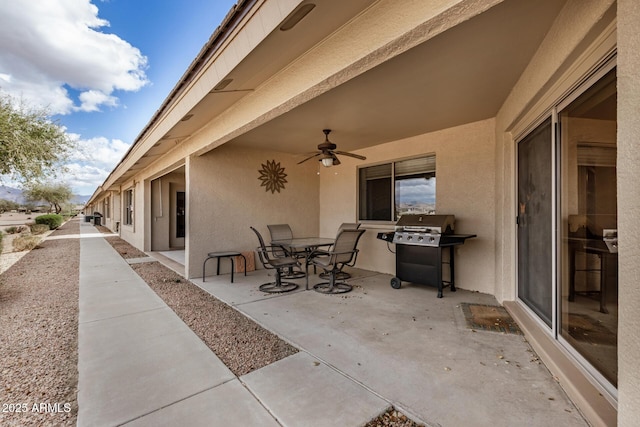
(308, 244)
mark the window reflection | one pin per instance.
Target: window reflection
(589, 309)
(387, 191)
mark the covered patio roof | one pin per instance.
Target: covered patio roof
(461, 75)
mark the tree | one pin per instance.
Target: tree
(31, 145)
(54, 194)
(7, 205)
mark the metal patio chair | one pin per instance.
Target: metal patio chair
(284, 232)
(280, 263)
(343, 252)
(342, 275)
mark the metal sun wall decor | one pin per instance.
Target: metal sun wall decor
(272, 176)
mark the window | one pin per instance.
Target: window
(389, 190)
(128, 207)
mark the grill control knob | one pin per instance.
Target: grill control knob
(432, 239)
(409, 237)
(420, 238)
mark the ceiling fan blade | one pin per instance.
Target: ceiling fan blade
(309, 158)
(336, 161)
(356, 156)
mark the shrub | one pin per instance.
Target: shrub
(39, 228)
(52, 220)
(11, 230)
(25, 243)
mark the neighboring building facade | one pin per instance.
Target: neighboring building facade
(518, 117)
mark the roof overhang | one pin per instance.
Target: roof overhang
(459, 76)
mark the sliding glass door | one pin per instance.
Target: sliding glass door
(567, 224)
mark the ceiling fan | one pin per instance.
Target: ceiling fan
(327, 152)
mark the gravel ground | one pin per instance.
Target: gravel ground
(39, 334)
(392, 418)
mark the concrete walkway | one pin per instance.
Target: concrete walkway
(138, 362)
(140, 365)
(361, 353)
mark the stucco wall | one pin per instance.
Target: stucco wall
(225, 198)
(628, 212)
(464, 187)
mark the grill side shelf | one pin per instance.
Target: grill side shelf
(455, 239)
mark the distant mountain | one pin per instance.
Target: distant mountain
(11, 194)
(15, 195)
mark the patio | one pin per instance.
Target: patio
(406, 346)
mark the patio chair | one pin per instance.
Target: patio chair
(284, 232)
(342, 275)
(270, 262)
(343, 252)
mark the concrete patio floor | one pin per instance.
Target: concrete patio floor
(406, 347)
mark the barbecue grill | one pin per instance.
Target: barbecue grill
(419, 241)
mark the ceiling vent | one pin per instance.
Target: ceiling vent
(296, 16)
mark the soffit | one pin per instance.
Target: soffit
(460, 76)
(273, 53)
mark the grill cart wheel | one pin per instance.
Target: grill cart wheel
(396, 283)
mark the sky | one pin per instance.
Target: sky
(101, 68)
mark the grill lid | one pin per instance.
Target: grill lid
(426, 223)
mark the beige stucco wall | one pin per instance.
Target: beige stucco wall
(225, 198)
(464, 188)
(628, 212)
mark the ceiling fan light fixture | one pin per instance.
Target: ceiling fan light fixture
(327, 153)
(327, 161)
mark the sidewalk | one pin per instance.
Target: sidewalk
(138, 362)
(360, 354)
(140, 365)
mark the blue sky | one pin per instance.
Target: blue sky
(101, 68)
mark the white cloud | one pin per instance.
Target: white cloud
(47, 45)
(93, 99)
(92, 163)
(101, 151)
